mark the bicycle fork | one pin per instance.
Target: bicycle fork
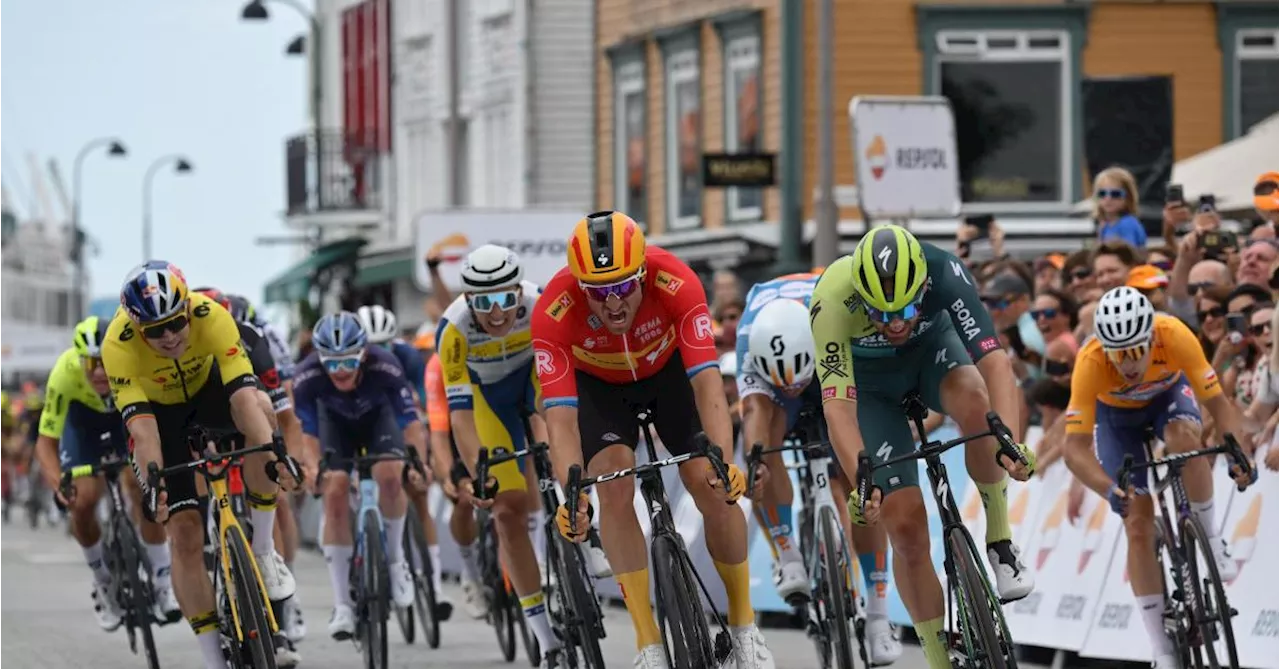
(820, 494)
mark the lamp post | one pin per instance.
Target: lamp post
(115, 149)
(256, 10)
(181, 165)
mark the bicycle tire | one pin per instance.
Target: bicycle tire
(424, 596)
(376, 592)
(532, 648)
(496, 590)
(1210, 616)
(974, 597)
(407, 622)
(681, 621)
(138, 613)
(836, 578)
(258, 642)
(582, 607)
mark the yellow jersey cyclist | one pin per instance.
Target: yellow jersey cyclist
(174, 358)
(1144, 369)
(80, 426)
(905, 317)
(487, 359)
(775, 372)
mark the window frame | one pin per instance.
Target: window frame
(1243, 52)
(1021, 52)
(681, 65)
(749, 45)
(629, 79)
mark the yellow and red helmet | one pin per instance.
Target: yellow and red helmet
(606, 247)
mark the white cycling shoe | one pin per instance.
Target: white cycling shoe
(1227, 567)
(342, 624)
(165, 608)
(749, 650)
(791, 580)
(286, 656)
(1013, 580)
(401, 583)
(275, 576)
(110, 615)
(651, 657)
(597, 562)
(1169, 661)
(883, 646)
(473, 601)
(294, 628)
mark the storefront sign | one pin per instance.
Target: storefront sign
(743, 169)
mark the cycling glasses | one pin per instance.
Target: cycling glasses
(1119, 356)
(159, 330)
(1081, 273)
(622, 289)
(89, 363)
(905, 314)
(346, 363)
(504, 299)
(1110, 193)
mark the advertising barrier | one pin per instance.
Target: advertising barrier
(537, 236)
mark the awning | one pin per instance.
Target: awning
(296, 282)
(385, 268)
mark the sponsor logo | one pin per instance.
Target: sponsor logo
(833, 363)
(702, 328)
(560, 306)
(989, 344)
(545, 362)
(828, 393)
(851, 393)
(960, 271)
(813, 312)
(127, 333)
(647, 330)
(233, 352)
(270, 379)
(594, 322)
(668, 282)
(964, 320)
(877, 157)
(1186, 391)
(610, 437)
(201, 310)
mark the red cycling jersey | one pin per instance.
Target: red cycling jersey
(673, 315)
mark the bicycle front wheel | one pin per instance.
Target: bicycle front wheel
(835, 610)
(424, 597)
(1209, 608)
(255, 643)
(680, 617)
(581, 609)
(977, 612)
(496, 591)
(138, 613)
(376, 590)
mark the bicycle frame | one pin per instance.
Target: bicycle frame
(368, 502)
(227, 523)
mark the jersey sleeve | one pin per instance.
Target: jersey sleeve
(306, 399)
(57, 401)
(451, 347)
(415, 370)
(264, 367)
(831, 322)
(1087, 382)
(121, 362)
(552, 359)
(437, 401)
(398, 392)
(686, 303)
(1183, 347)
(279, 351)
(955, 289)
(222, 339)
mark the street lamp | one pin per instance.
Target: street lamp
(181, 165)
(256, 10)
(115, 149)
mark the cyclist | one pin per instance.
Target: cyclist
(1146, 369)
(622, 325)
(906, 317)
(174, 359)
(73, 429)
(487, 363)
(347, 394)
(776, 363)
(379, 324)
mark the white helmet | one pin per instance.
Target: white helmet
(1124, 317)
(379, 323)
(781, 345)
(491, 267)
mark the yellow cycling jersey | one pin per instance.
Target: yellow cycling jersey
(140, 375)
(67, 383)
(469, 355)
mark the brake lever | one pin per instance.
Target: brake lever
(1122, 478)
(864, 481)
(572, 492)
(1004, 439)
(1238, 458)
(65, 488)
(753, 461)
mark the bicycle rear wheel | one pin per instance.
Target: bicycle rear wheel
(376, 590)
(680, 617)
(256, 647)
(580, 609)
(1208, 600)
(977, 612)
(496, 587)
(424, 599)
(140, 595)
(835, 578)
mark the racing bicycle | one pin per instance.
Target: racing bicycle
(984, 639)
(426, 608)
(574, 608)
(686, 638)
(1196, 613)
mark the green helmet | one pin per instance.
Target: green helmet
(90, 333)
(889, 253)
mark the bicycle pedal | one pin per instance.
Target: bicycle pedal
(723, 646)
(798, 600)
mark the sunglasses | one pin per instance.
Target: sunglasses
(1037, 314)
(1195, 288)
(1080, 274)
(504, 300)
(346, 363)
(159, 330)
(1259, 329)
(997, 302)
(1265, 188)
(622, 289)
(89, 364)
(1133, 353)
(1110, 194)
(1212, 312)
(1164, 265)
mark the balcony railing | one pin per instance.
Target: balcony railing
(333, 171)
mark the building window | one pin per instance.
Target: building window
(743, 118)
(684, 140)
(1011, 94)
(1256, 74)
(630, 158)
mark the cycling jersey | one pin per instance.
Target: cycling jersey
(265, 367)
(276, 345)
(382, 386)
(798, 287)
(67, 384)
(140, 376)
(84, 423)
(672, 316)
(1176, 354)
(473, 356)
(437, 400)
(411, 362)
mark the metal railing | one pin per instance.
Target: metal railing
(333, 170)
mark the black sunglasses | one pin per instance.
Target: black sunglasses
(1259, 329)
(1195, 288)
(159, 330)
(1037, 314)
(1212, 312)
(1081, 273)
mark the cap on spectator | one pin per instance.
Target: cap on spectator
(1266, 192)
(1054, 260)
(1147, 277)
(1005, 284)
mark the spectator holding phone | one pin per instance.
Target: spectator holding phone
(1235, 350)
(1211, 316)
(1115, 207)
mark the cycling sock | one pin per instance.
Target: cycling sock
(777, 526)
(205, 625)
(995, 499)
(635, 594)
(737, 587)
(1204, 512)
(158, 554)
(875, 575)
(537, 537)
(1152, 607)
(395, 538)
(470, 570)
(339, 561)
(434, 552)
(535, 614)
(262, 513)
(93, 556)
(934, 643)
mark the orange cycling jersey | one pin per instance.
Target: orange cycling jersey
(437, 399)
(672, 316)
(1175, 353)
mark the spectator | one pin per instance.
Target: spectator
(1008, 297)
(1055, 316)
(727, 314)
(1162, 257)
(1234, 352)
(1112, 261)
(1152, 281)
(1115, 204)
(1266, 199)
(1256, 262)
(1048, 272)
(1188, 281)
(1260, 337)
(725, 286)
(1077, 277)
(1211, 315)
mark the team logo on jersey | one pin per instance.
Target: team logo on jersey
(667, 282)
(560, 306)
(828, 393)
(989, 344)
(201, 311)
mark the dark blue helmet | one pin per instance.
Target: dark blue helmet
(339, 334)
(154, 291)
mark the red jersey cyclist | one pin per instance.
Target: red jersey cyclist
(623, 325)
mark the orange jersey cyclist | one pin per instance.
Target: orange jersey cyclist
(623, 325)
(1141, 370)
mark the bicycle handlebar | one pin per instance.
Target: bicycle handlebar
(85, 471)
(480, 485)
(758, 451)
(409, 458)
(1229, 446)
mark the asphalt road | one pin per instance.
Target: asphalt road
(46, 621)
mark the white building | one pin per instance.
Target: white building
(37, 304)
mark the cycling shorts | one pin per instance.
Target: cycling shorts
(88, 436)
(607, 412)
(1119, 432)
(498, 409)
(379, 432)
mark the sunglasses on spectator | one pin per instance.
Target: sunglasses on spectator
(159, 330)
(1259, 329)
(503, 299)
(1080, 274)
(1110, 194)
(1037, 314)
(1212, 312)
(1194, 288)
(622, 289)
(1164, 265)
(1265, 188)
(346, 363)
(997, 302)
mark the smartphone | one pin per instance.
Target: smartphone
(1236, 323)
(1056, 367)
(982, 223)
(1208, 203)
(1214, 241)
(1173, 194)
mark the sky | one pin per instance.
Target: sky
(164, 76)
